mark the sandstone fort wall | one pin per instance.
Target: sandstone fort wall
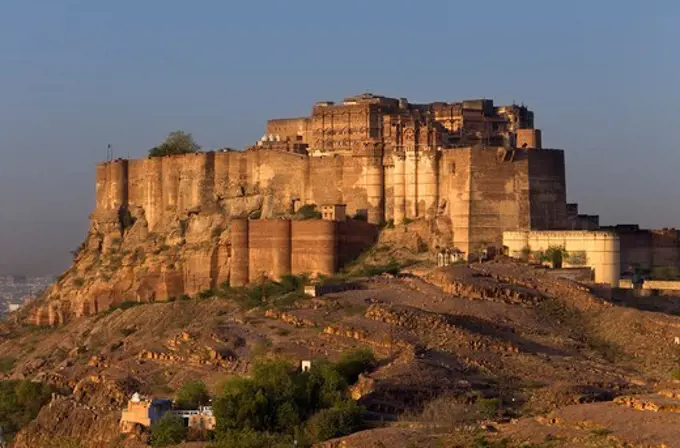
(314, 247)
(484, 191)
(269, 249)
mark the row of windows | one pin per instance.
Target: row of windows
(340, 131)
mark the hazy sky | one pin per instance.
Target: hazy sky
(601, 76)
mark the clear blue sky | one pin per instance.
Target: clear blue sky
(601, 76)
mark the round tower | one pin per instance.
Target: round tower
(117, 177)
(279, 241)
(314, 248)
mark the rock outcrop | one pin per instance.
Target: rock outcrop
(121, 260)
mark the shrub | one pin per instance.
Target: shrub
(488, 408)
(192, 395)
(257, 214)
(555, 255)
(6, 364)
(665, 273)
(78, 282)
(526, 253)
(334, 422)
(280, 294)
(444, 411)
(248, 438)
(675, 374)
(127, 304)
(354, 363)
(169, 430)
(20, 402)
(578, 258)
(308, 211)
(206, 294)
(370, 270)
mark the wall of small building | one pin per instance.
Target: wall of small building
(601, 248)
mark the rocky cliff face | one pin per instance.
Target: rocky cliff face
(121, 260)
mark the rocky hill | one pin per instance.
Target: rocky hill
(121, 259)
(467, 355)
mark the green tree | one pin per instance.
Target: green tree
(169, 430)
(20, 402)
(177, 142)
(278, 398)
(555, 255)
(192, 395)
(308, 211)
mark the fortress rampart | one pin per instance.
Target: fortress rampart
(484, 191)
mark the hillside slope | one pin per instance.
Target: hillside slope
(500, 336)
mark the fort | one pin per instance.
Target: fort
(479, 165)
(476, 174)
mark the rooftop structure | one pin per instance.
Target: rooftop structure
(396, 123)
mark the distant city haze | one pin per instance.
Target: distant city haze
(76, 76)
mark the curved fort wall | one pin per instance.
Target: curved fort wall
(269, 249)
(314, 247)
(274, 248)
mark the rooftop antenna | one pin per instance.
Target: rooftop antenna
(109, 152)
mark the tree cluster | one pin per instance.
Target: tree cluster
(276, 405)
(20, 402)
(278, 400)
(177, 142)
